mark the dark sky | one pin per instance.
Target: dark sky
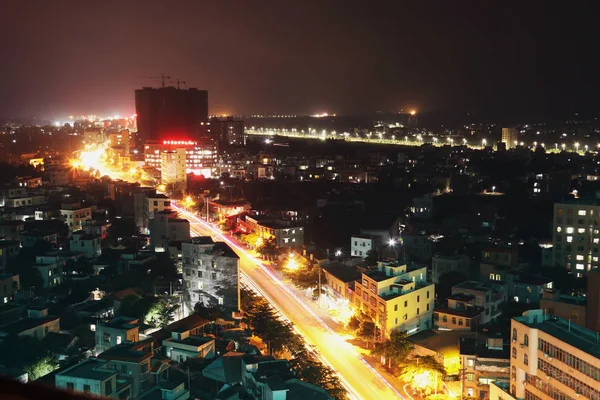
(64, 57)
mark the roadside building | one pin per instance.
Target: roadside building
(483, 362)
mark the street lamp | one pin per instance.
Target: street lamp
(392, 242)
(493, 189)
(483, 142)
(338, 253)
(564, 146)
(576, 146)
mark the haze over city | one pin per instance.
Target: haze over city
(257, 57)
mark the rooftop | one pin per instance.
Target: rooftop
(88, 369)
(470, 346)
(470, 312)
(125, 353)
(25, 324)
(121, 322)
(342, 272)
(202, 240)
(572, 334)
(473, 285)
(461, 297)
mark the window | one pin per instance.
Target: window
(526, 340)
(144, 367)
(107, 387)
(405, 303)
(570, 229)
(470, 363)
(70, 386)
(395, 307)
(395, 321)
(200, 286)
(470, 377)
(497, 277)
(220, 301)
(581, 230)
(525, 359)
(514, 352)
(213, 276)
(468, 322)
(418, 298)
(460, 322)
(119, 339)
(427, 307)
(579, 257)
(428, 294)
(86, 389)
(581, 212)
(417, 311)
(453, 320)
(444, 319)
(514, 335)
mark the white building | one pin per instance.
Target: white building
(576, 236)
(93, 377)
(173, 169)
(88, 244)
(73, 214)
(360, 245)
(210, 274)
(551, 358)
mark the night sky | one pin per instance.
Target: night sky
(346, 57)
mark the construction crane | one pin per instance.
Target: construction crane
(162, 77)
(178, 82)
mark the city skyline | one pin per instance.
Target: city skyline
(73, 58)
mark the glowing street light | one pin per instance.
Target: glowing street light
(465, 141)
(564, 146)
(292, 264)
(392, 242)
(576, 146)
(483, 142)
(338, 253)
(586, 148)
(413, 112)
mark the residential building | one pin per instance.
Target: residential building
(572, 308)
(27, 181)
(397, 297)
(162, 111)
(510, 137)
(133, 362)
(520, 287)
(228, 131)
(441, 265)
(8, 250)
(181, 346)
(285, 233)
(164, 229)
(501, 256)
(11, 192)
(422, 207)
(31, 238)
(93, 377)
(37, 324)
(9, 285)
(117, 330)
(485, 296)
(155, 203)
(360, 245)
(418, 246)
(483, 362)
(259, 378)
(576, 236)
(173, 170)
(88, 244)
(552, 358)
(140, 207)
(210, 274)
(340, 279)
(97, 228)
(27, 200)
(51, 269)
(221, 209)
(74, 215)
(460, 313)
(11, 229)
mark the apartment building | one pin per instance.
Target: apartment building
(210, 274)
(165, 228)
(397, 297)
(285, 233)
(88, 244)
(484, 295)
(154, 203)
(113, 332)
(173, 170)
(576, 235)
(551, 358)
(360, 245)
(93, 377)
(483, 362)
(459, 314)
(74, 215)
(441, 265)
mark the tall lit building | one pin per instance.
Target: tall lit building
(163, 112)
(200, 155)
(510, 137)
(210, 274)
(576, 236)
(228, 131)
(551, 358)
(173, 169)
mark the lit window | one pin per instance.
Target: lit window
(569, 239)
(579, 257)
(559, 229)
(595, 259)
(579, 266)
(492, 277)
(470, 363)
(581, 212)
(581, 230)
(569, 230)
(596, 240)
(497, 277)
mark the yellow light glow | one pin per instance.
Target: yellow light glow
(259, 242)
(292, 264)
(188, 202)
(422, 380)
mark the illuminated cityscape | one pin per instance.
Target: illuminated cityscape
(255, 200)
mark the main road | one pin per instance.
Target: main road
(359, 378)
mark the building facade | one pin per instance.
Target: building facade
(360, 245)
(396, 297)
(210, 274)
(483, 362)
(200, 155)
(173, 169)
(576, 236)
(441, 265)
(510, 137)
(74, 215)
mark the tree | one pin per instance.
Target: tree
(366, 331)
(83, 266)
(211, 312)
(423, 372)
(314, 372)
(41, 367)
(122, 233)
(354, 323)
(162, 313)
(396, 349)
(372, 257)
(268, 249)
(304, 278)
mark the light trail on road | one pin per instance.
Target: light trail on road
(361, 379)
